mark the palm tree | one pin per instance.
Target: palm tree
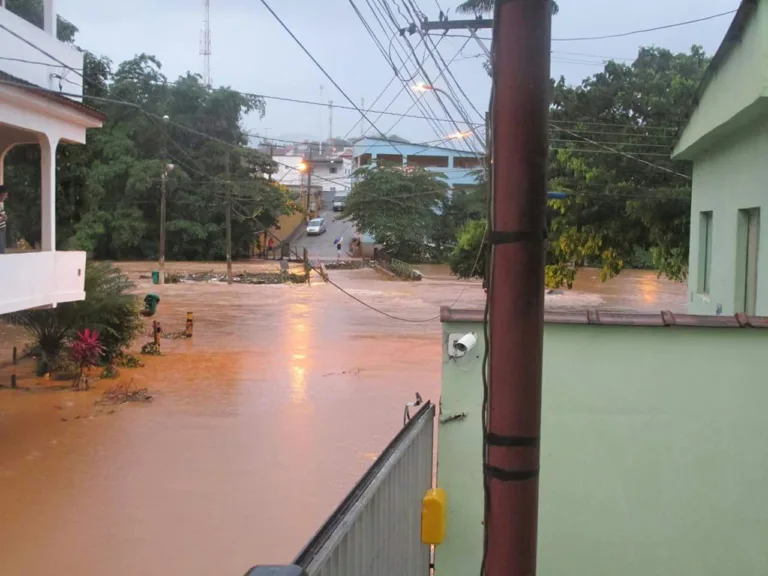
(483, 6)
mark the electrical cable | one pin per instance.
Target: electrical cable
(320, 67)
(633, 157)
(623, 34)
(422, 105)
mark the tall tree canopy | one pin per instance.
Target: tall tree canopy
(483, 6)
(610, 142)
(108, 191)
(397, 207)
(627, 203)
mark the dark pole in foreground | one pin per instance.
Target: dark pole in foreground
(228, 219)
(519, 141)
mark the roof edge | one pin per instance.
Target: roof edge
(593, 317)
(746, 9)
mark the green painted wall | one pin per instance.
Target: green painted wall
(729, 177)
(654, 458)
(739, 81)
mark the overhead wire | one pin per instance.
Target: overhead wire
(425, 109)
(620, 34)
(422, 68)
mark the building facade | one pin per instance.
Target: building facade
(31, 112)
(458, 166)
(726, 138)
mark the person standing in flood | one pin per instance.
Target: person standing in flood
(3, 218)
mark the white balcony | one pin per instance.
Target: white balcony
(35, 279)
(48, 73)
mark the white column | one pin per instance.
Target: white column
(4, 149)
(49, 17)
(48, 145)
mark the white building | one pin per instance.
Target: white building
(29, 115)
(331, 174)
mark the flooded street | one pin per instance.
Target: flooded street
(259, 425)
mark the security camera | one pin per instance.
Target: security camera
(465, 343)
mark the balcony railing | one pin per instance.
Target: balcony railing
(376, 530)
(36, 279)
(50, 74)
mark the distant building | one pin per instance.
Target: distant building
(726, 137)
(458, 166)
(31, 112)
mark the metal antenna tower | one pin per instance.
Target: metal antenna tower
(205, 42)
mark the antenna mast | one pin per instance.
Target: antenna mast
(205, 42)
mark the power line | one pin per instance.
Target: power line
(633, 157)
(422, 105)
(644, 30)
(320, 67)
(620, 34)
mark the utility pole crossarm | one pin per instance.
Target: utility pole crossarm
(476, 24)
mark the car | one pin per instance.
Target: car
(338, 202)
(316, 227)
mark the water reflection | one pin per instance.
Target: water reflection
(298, 337)
(279, 384)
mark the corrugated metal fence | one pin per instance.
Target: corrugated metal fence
(376, 530)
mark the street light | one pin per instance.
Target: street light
(424, 87)
(302, 166)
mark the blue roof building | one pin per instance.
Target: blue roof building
(457, 165)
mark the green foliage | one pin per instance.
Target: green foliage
(620, 206)
(397, 207)
(109, 308)
(108, 192)
(483, 6)
(464, 260)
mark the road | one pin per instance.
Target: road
(322, 246)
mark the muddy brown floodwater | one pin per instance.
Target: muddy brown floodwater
(260, 424)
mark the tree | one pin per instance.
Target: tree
(485, 6)
(108, 192)
(610, 144)
(466, 259)
(397, 207)
(110, 308)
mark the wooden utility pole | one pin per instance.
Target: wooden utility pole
(516, 291)
(228, 219)
(163, 194)
(309, 179)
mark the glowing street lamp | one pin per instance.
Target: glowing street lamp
(460, 135)
(302, 166)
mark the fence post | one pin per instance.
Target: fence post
(15, 361)
(190, 324)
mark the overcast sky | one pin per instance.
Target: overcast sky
(252, 53)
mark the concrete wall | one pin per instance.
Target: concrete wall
(729, 177)
(35, 279)
(653, 458)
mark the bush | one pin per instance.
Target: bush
(466, 260)
(109, 307)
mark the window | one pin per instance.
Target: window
(333, 170)
(705, 252)
(747, 244)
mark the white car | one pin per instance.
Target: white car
(316, 227)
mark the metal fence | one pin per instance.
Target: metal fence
(376, 530)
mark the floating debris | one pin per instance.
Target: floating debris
(123, 393)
